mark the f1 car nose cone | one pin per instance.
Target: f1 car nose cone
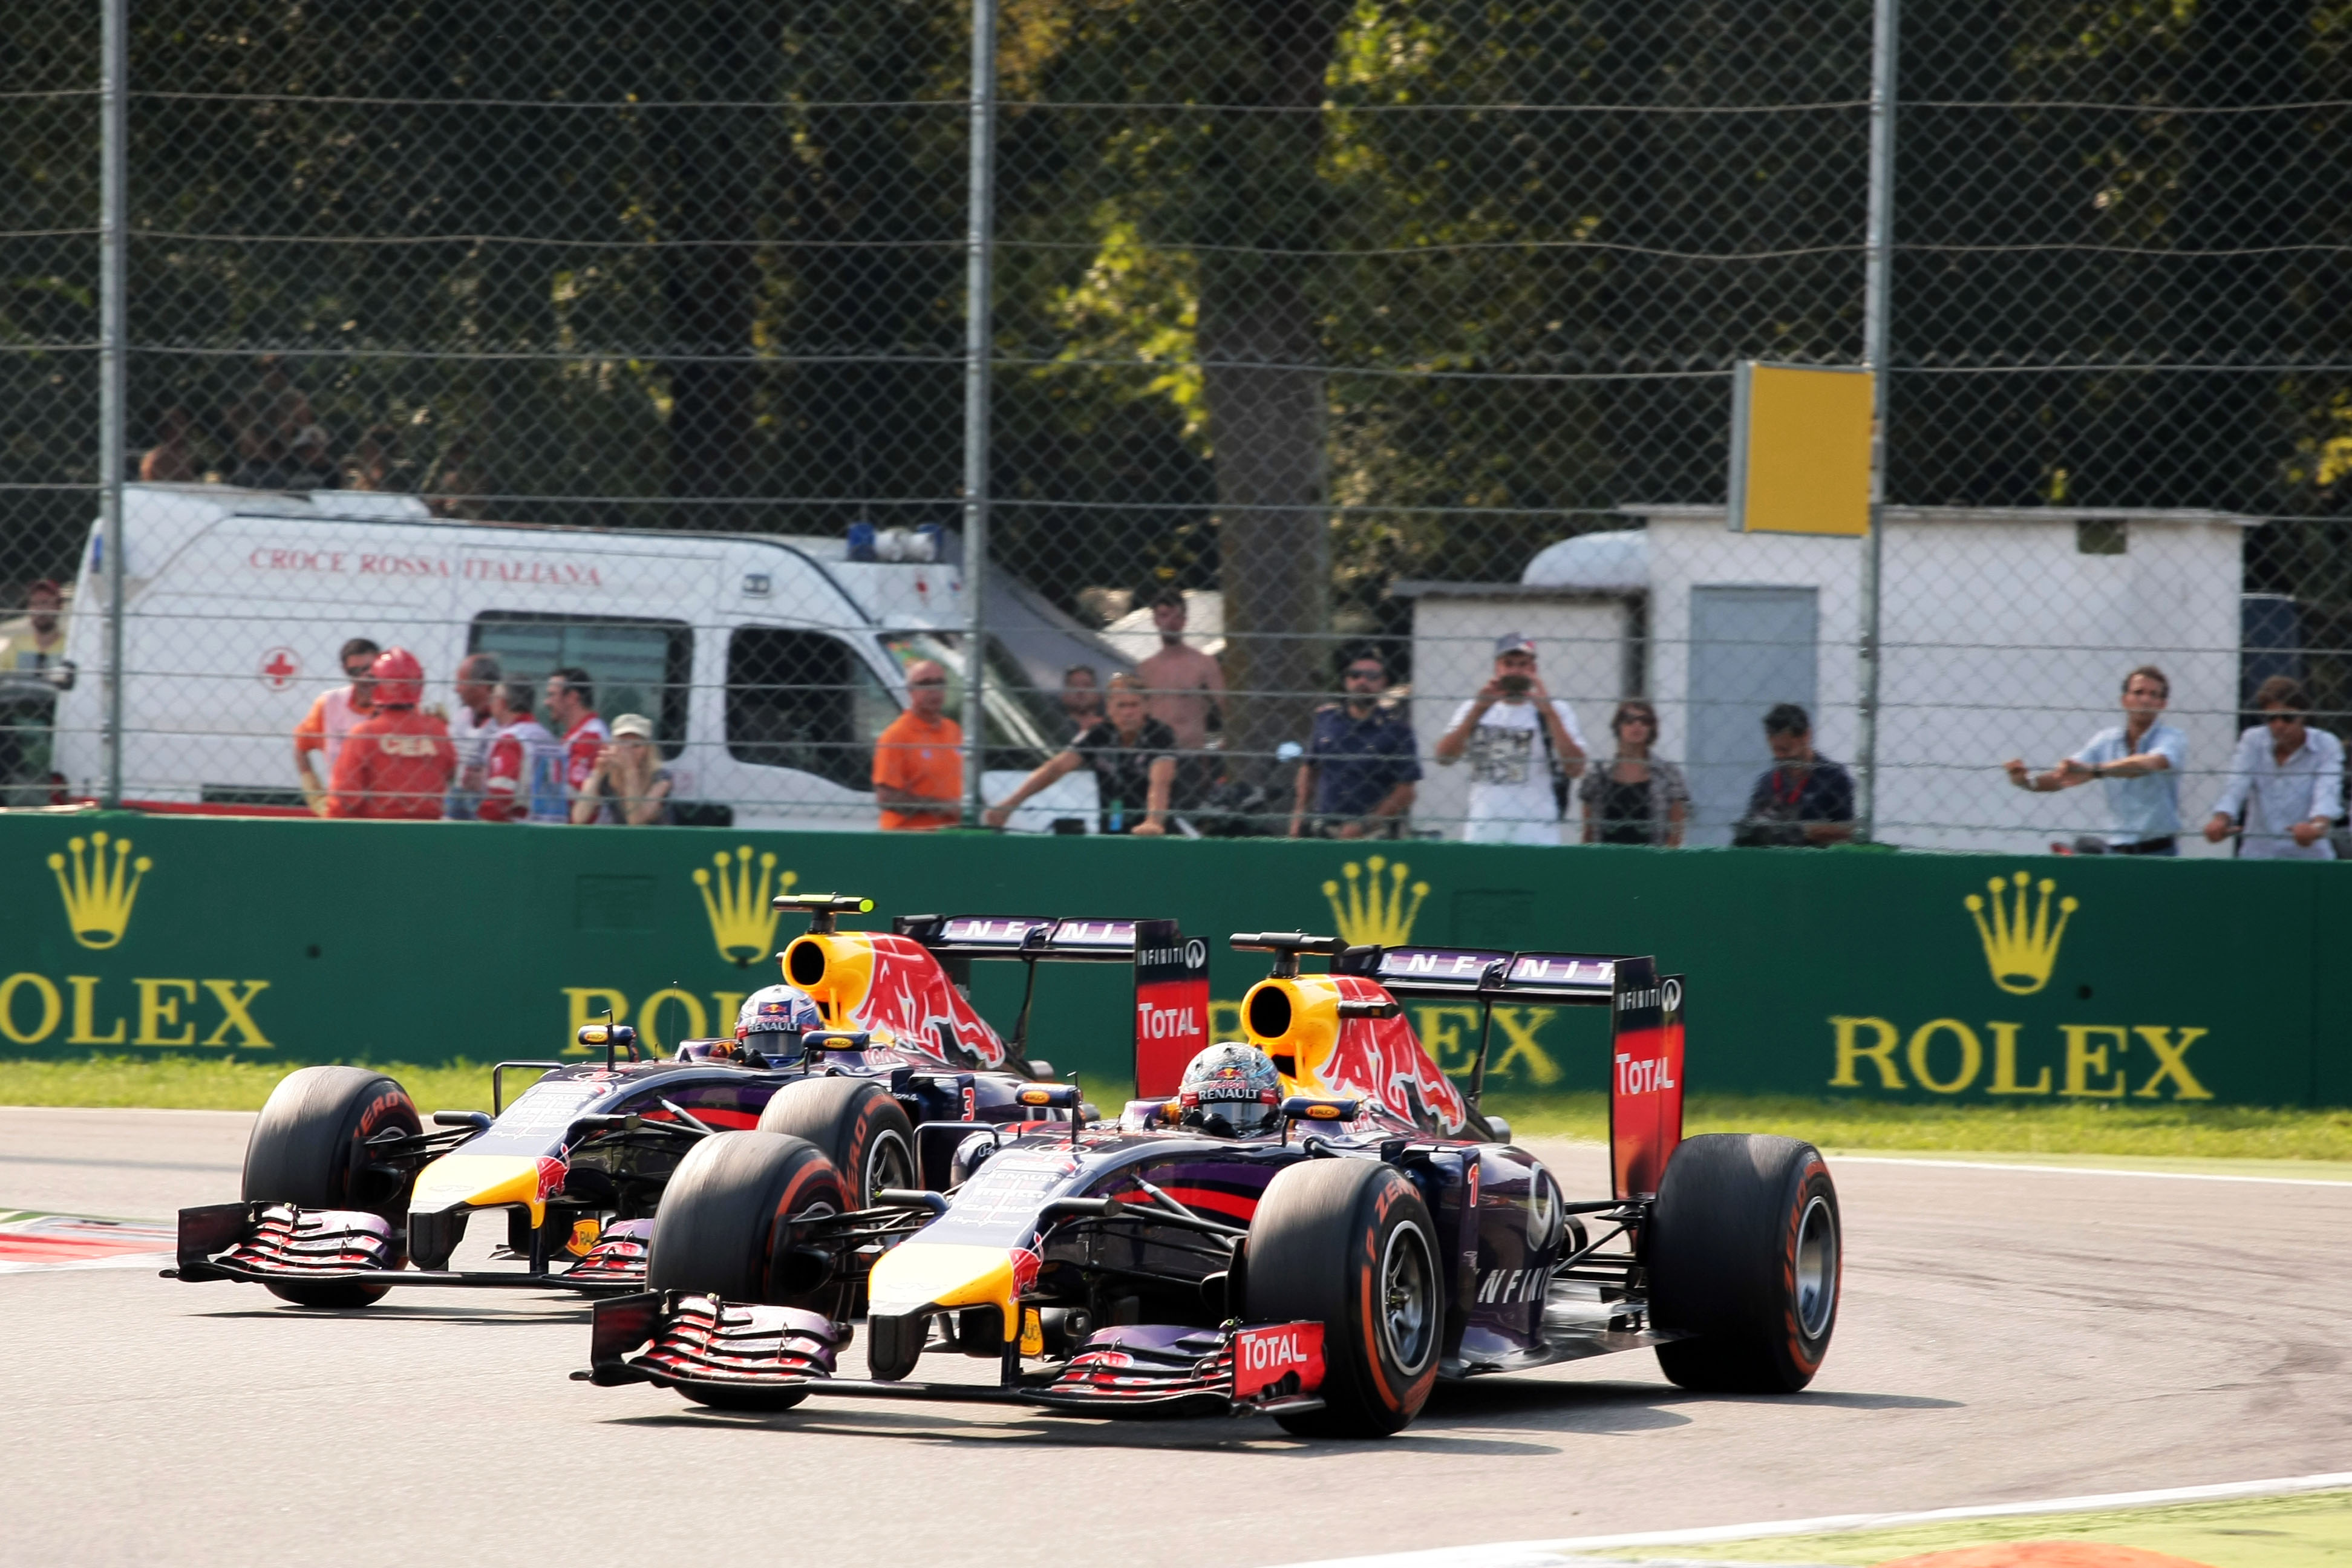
(488, 1181)
(918, 1276)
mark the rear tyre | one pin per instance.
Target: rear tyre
(308, 1148)
(1745, 1254)
(857, 1125)
(1348, 1244)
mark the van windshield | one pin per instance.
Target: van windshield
(1024, 725)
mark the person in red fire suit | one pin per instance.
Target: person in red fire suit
(398, 763)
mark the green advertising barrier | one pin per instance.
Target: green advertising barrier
(1846, 973)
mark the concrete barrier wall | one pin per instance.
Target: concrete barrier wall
(1987, 979)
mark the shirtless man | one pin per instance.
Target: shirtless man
(1183, 687)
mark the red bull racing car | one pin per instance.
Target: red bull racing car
(1362, 1233)
(886, 1072)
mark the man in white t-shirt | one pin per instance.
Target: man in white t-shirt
(471, 731)
(1519, 738)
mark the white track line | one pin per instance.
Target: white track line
(2341, 1185)
(1543, 1553)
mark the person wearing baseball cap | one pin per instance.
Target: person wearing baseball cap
(1502, 729)
(629, 786)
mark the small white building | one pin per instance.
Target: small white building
(2007, 632)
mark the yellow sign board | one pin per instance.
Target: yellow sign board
(1800, 449)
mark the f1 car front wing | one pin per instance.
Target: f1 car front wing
(687, 1341)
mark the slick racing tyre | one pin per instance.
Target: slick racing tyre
(857, 1125)
(1743, 1255)
(718, 1234)
(1348, 1244)
(308, 1149)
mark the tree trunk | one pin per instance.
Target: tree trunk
(712, 289)
(1263, 379)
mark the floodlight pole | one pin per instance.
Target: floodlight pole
(114, 232)
(979, 266)
(1878, 276)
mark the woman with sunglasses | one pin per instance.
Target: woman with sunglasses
(1635, 797)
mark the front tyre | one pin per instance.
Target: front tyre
(309, 1149)
(1745, 1254)
(1348, 1244)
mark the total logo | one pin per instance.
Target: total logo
(1643, 1076)
(1166, 1023)
(1266, 1350)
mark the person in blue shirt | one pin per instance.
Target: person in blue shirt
(2140, 760)
(1359, 776)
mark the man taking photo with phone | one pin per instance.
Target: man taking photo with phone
(1524, 747)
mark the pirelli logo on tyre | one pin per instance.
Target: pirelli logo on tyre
(2057, 1047)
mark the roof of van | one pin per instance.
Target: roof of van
(888, 593)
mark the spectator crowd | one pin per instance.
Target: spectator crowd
(371, 748)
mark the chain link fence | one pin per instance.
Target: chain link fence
(630, 340)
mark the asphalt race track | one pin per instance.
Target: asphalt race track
(2005, 1335)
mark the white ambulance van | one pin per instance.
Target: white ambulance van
(768, 664)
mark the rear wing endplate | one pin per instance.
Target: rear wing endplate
(1171, 975)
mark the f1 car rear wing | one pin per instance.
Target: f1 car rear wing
(1171, 973)
(1645, 1094)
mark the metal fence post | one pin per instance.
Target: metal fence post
(1877, 279)
(113, 231)
(978, 267)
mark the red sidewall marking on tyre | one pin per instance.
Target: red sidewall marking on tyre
(1807, 1360)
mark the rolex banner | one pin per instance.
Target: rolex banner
(1845, 973)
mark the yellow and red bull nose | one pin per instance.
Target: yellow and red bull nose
(489, 1181)
(926, 1276)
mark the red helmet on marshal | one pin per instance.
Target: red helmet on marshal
(399, 678)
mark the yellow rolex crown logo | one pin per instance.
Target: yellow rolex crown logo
(1370, 915)
(2019, 943)
(741, 923)
(98, 897)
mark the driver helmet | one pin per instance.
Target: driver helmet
(772, 1019)
(1231, 1091)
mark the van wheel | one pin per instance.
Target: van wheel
(1745, 1254)
(1348, 1244)
(857, 1124)
(309, 1149)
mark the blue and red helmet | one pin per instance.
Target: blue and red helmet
(776, 1010)
(1231, 1091)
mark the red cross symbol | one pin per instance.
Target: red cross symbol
(278, 668)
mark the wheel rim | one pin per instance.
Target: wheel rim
(1817, 1268)
(889, 1163)
(1408, 1306)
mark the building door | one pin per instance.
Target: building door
(1750, 647)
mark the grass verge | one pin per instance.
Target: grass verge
(2207, 1132)
(217, 1083)
(2310, 1530)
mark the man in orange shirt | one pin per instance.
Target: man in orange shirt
(331, 721)
(918, 760)
(397, 761)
